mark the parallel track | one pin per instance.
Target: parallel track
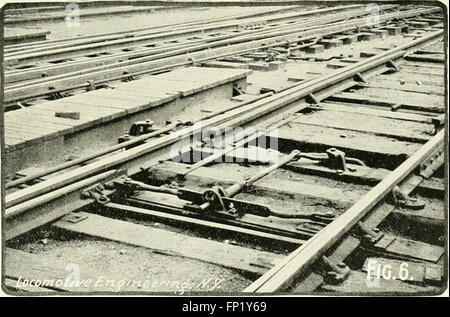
(100, 70)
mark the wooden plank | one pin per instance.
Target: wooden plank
(184, 88)
(436, 58)
(45, 115)
(196, 75)
(413, 78)
(153, 84)
(421, 104)
(38, 116)
(38, 119)
(205, 75)
(195, 79)
(384, 113)
(148, 92)
(115, 98)
(408, 64)
(119, 92)
(24, 136)
(405, 97)
(351, 141)
(432, 216)
(298, 261)
(103, 100)
(418, 250)
(172, 243)
(401, 130)
(129, 103)
(46, 131)
(89, 113)
(12, 143)
(423, 69)
(124, 97)
(393, 85)
(188, 88)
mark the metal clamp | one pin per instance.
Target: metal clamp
(338, 160)
(335, 159)
(141, 127)
(138, 128)
(336, 273)
(401, 199)
(368, 236)
(127, 77)
(214, 197)
(392, 66)
(95, 192)
(91, 86)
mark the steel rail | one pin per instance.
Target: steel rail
(84, 14)
(52, 206)
(15, 79)
(166, 26)
(54, 72)
(230, 225)
(36, 46)
(82, 81)
(31, 56)
(280, 276)
(177, 26)
(156, 70)
(350, 243)
(37, 201)
(132, 159)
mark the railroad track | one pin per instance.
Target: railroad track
(303, 197)
(92, 63)
(67, 42)
(55, 13)
(109, 66)
(51, 50)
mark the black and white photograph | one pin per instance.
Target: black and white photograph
(232, 149)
